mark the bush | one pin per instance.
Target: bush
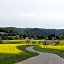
(44, 43)
(39, 42)
(33, 42)
(57, 42)
(1, 42)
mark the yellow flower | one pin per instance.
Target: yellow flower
(10, 48)
(53, 47)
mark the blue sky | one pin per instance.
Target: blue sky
(32, 13)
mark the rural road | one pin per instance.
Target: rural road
(42, 58)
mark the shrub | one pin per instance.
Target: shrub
(1, 42)
(39, 42)
(33, 42)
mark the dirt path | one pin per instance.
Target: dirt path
(43, 58)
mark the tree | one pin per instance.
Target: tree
(33, 42)
(1, 42)
(27, 40)
(24, 36)
(44, 42)
(57, 37)
(17, 37)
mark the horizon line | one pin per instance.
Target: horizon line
(28, 27)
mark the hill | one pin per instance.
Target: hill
(37, 33)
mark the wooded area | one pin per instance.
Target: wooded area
(13, 33)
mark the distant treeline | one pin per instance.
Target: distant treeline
(11, 33)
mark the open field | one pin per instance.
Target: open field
(21, 41)
(12, 51)
(10, 48)
(52, 49)
(61, 42)
(14, 42)
(59, 47)
(16, 53)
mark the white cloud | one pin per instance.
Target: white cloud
(27, 15)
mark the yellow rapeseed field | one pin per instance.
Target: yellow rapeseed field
(10, 48)
(53, 47)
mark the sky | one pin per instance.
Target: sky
(32, 13)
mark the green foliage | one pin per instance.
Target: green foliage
(33, 42)
(1, 42)
(44, 43)
(36, 33)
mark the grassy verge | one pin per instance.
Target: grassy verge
(13, 58)
(55, 51)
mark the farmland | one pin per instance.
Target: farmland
(10, 48)
(21, 41)
(56, 49)
(53, 47)
(12, 51)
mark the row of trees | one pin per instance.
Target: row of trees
(12, 33)
(12, 36)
